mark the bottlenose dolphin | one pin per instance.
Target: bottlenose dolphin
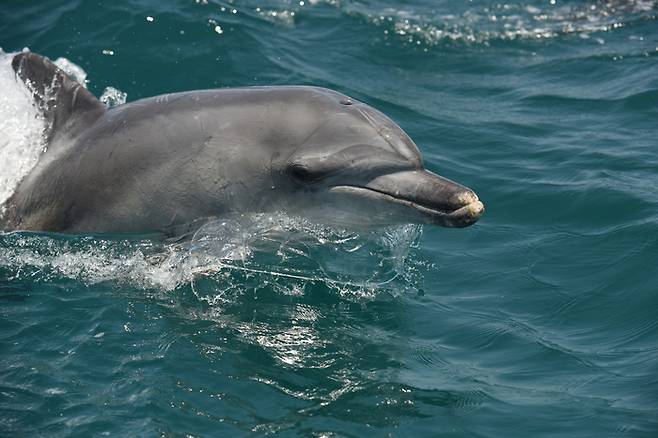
(161, 162)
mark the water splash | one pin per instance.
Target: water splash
(73, 70)
(226, 257)
(21, 129)
(112, 97)
(279, 248)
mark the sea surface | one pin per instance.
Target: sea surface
(541, 320)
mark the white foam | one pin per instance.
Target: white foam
(21, 129)
(94, 261)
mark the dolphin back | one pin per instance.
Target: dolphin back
(66, 105)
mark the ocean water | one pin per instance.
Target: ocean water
(540, 320)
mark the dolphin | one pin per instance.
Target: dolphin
(162, 162)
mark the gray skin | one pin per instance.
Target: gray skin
(158, 163)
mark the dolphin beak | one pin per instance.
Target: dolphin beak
(432, 198)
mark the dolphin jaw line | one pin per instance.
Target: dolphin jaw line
(463, 216)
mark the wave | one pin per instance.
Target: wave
(420, 24)
(509, 21)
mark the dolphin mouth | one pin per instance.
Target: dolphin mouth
(428, 197)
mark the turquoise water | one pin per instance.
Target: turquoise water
(540, 320)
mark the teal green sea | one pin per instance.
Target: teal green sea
(541, 320)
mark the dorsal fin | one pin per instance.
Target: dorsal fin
(67, 106)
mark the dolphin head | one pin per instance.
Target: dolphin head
(359, 168)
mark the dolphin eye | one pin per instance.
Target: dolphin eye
(303, 173)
